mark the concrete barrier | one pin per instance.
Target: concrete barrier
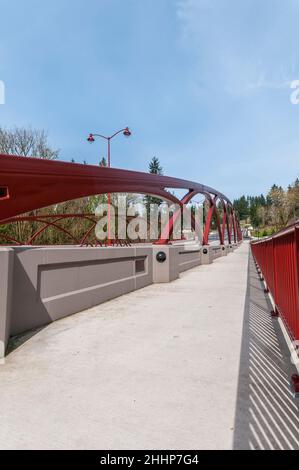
(215, 251)
(6, 283)
(49, 283)
(224, 250)
(165, 263)
(189, 257)
(206, 256)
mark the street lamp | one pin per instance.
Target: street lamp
(91, 138)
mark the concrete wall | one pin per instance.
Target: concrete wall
(39, 285)
(189, 257)
(215, 252)
(6, 284)
(168, 270)
(50, 283)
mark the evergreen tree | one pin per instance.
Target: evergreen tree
(277, 209)
(154, 168)
(103, 162)
(242, 207)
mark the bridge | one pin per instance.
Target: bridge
(187, 344)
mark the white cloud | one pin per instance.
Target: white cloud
(244, 46)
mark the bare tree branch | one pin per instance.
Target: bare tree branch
(26, 143)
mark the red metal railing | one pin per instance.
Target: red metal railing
(87, 237)
(278, 260)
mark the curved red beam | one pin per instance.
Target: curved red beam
(28, 183)
(33, 183)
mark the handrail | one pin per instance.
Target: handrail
(277, 257)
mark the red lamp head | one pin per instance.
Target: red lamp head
(90, 138)
(127, 132)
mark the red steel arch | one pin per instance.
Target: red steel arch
(29, 183)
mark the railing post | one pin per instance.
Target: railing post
(274, 312)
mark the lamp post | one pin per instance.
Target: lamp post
(91, 138)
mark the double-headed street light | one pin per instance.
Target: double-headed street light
(126, 132)
(91, 138)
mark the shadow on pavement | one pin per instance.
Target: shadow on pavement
(267, 415)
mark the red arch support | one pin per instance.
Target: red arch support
(32, 183)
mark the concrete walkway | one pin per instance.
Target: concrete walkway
(157, 368)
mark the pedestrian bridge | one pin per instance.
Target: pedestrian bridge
(198, 363)
(177, 344)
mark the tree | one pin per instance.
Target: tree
(103, 162)
(253, 212)
(154, 168)
(261, 214)
(26, 143)
(279, 209)
(241, 205)
(293, 200)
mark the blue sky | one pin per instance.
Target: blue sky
(203, 84)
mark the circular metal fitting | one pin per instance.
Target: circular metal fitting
(161, 257)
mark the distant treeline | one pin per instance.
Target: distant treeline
(277, 209)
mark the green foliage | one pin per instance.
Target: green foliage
(242, 207)
(278, 208)
(154, 168)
